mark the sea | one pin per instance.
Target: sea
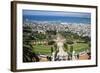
(64, 19)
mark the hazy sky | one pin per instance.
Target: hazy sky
(56, 13)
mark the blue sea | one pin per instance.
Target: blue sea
(57, 18)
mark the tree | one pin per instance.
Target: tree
(55, 46)
(28, 55)
(86, 39)
(66, 47)
(51, 42)
(70, 42)
(71, 51)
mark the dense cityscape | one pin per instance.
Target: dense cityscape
(43, 26)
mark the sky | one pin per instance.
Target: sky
(56, 13)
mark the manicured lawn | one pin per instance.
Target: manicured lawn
(46, 49)
(42, 49)
(79, 47)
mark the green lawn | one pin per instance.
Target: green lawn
(46, 49)
(42, 49)
(79, 47)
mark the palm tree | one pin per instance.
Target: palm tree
(71, 51)
(28, 55)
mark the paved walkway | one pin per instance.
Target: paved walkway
(83, 57)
